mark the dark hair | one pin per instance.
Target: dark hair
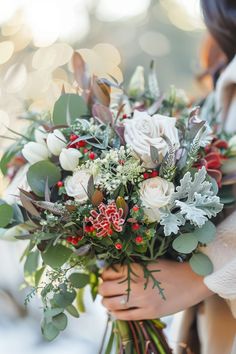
(220, 19)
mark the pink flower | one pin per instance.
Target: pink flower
(108, 218)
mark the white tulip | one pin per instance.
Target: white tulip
(35, 152)
(56, 142)
(69, 159)
(40, 135)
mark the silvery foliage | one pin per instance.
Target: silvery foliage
(195, 202)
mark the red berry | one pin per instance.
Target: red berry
(135, 208)
(80, 144)
(154, 174)
(139, 239)
(85, 151)
(89, 228)
(109, 232)
(124, 116)
(60, 184)
(79, 238)
(135, 227)
(69, 239)
(73, 137)
(118, 246)
(92, 155)
(146, 175)
(74, 241)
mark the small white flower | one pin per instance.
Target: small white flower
(143, 131)
(56, 142)
(155, 193)
(69, 159)
(35, 152)
(76, 185)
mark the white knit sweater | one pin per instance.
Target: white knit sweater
(222, 251)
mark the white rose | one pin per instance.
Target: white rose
(232, 144)
(35, 152)
(143, 131)
(155, 193)
(56, 142)
(40, 135)
(69, 159)
(76, 185)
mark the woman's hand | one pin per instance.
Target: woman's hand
(182, 288)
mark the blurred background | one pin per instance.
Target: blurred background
(37, 40)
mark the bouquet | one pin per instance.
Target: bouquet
(108, 183)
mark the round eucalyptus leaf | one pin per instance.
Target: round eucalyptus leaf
(71, 309)
(201, 264)
(79, 280)
(6, 214)
(206, 233)
(60, 321)
(50, 331)
(185, 243)
(51, 312)
(40, 173)
(56, 256)
(64, 298)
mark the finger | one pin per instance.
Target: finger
(116, 272)
(119, 303)
(112, 288)
(129, 315)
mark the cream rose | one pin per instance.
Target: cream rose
(155, 193)
(76, 185)
(143, 131)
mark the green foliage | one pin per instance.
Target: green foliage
(56, 255)
(49, 331)
(64, 298)
(71, 309)
(79, 280)
(201, 264)
(31, 263)
(171, 222)
(67, 108)
(6, 214)
(185, 243)
(206, 233)
(40, 173)
(60, 321)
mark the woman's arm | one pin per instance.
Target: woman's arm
(182, 288)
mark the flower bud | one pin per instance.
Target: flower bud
(35, 152)
(69, 159)
(56, 142)
(137, 83)
(40, 135)
(232, 144)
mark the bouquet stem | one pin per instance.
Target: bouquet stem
(136, 337)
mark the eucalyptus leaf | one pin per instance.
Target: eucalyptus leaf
(79, 280)
(56, 256)
(60, 321)
(50, 331)
(6, 214)
(31, 263)
(51, 312)
(39, 173)
(206, 233)
(67, 108)
(201, 264)
(71, 309)
(64, 298)
(185, 243)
